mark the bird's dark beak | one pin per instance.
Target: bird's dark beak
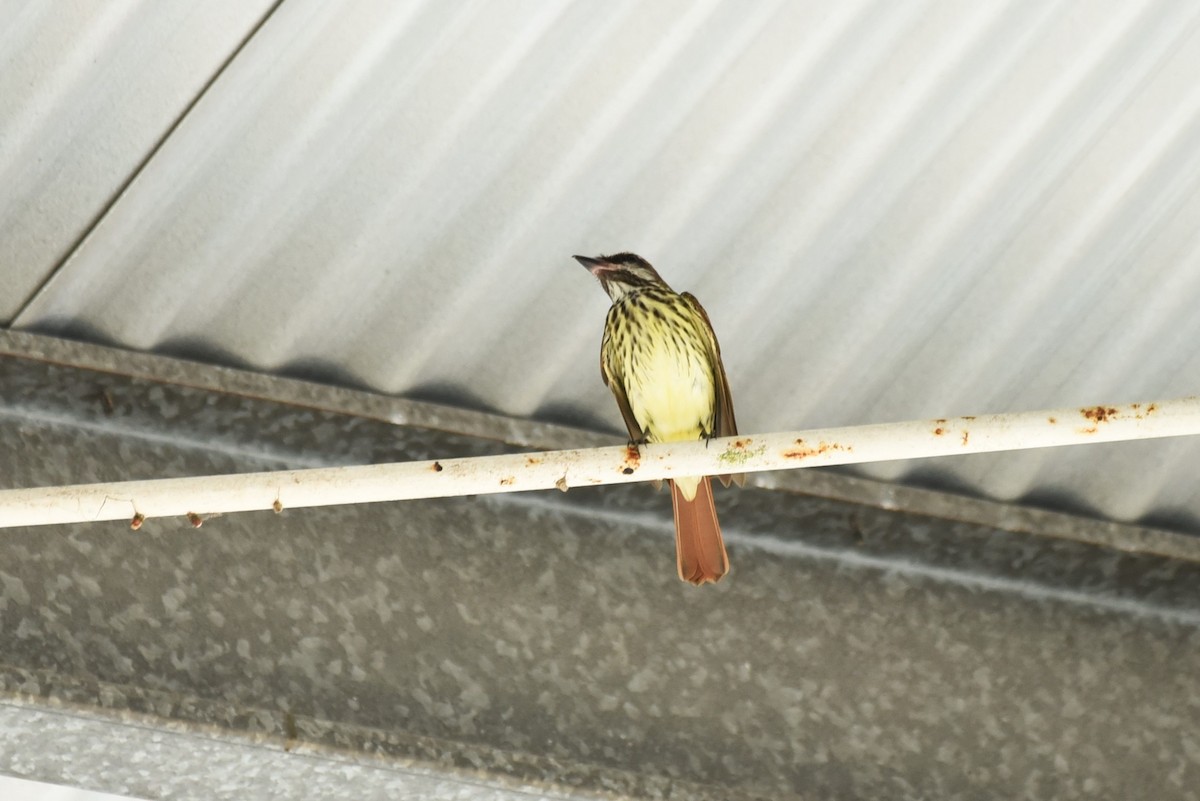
(595, 266)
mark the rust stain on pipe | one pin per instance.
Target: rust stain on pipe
(805, 451)
(633, 458)
(1100, 414)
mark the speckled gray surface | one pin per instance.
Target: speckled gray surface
(543, 641)
(210, 764)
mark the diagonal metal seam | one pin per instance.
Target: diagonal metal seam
(857, 559)
(120, 191)
(287, 391)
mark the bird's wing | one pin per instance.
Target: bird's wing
(618, 390)
(726, 423)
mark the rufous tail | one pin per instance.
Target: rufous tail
(698, 545)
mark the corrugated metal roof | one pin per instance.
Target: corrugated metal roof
(890, 210)
(87, 90)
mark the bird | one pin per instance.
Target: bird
(660, 357)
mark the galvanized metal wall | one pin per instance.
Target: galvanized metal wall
(539, 645)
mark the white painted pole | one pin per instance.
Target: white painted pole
(198, 497)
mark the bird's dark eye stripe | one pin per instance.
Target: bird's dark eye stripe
(633, 279)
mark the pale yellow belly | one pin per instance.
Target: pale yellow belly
(672, 395)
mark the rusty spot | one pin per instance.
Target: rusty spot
(969, 417)
(530, 461)
(290, 731)
(940, 421)
(1150, 409)
(856, 529)
(805, 452)
(105, 398)
(1053, 420)
(508, 481)
(196, 520)
(437, 467)
(1100, 414)
(1091, 430)
(633, 458)
(939, 431)
(137, 521)
(741, 443)
(277, 506)
(966, 436)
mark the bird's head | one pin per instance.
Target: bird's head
(622, 273)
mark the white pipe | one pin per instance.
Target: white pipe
(198, 497)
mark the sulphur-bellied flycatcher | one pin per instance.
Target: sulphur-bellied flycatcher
(660, 358)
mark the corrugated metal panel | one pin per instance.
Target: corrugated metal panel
(891, 210)
(86, 92)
